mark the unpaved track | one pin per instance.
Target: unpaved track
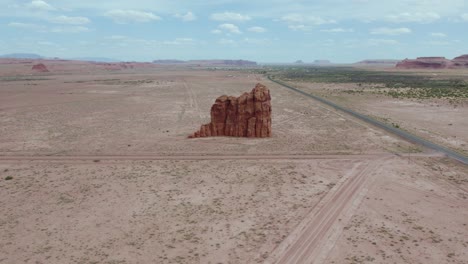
(306, 242)
(193, 99)
(181, 157)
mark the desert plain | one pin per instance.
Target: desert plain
(96, 167)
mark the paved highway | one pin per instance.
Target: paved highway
(408, 136)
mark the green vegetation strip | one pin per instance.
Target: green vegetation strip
(390, 128)
(396, 84)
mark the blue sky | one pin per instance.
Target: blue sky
(264, 31)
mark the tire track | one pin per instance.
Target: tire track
(305, 242)
(193, 99)
(93, 158)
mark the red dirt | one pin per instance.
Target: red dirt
(100, 171)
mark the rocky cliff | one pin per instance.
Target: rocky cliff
(248, 115)
(434, 63)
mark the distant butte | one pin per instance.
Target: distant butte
(460, 62)
(40, 68)
(248, 115)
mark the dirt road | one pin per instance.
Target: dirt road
(314, 236)
(95, 158)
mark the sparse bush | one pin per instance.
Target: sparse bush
(400, 84)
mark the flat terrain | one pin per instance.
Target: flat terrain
(96, 167)
(439, 120)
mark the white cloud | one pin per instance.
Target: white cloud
(303, 19)
(298, 27)
(257, 29)
(416, 17)
(465, 16)
(43, 29)
(229, 28)
(390, 31)
(438, 43)
(70, 20)
(189, 16)
(304, 22)
(46, 43)
(255, 41)
(227, 42)
(380, 42)
(117, 37)
(40, 5)
(216, 31)
(230, 16)
(128, 16)
(68, 29)
(179, 41)
(26, 26)
(337, 30)
(438, 35)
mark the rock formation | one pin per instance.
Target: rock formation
(424, 63)
(434, 63)
(248, 115)
(40, 68)
(221, 63)
(460, 62)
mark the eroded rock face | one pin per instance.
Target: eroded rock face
(40, 68)
(460, 62)
(248, 115)
(434, 63)
(424, 63)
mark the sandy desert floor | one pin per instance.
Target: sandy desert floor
(437, 120)
(96, 167)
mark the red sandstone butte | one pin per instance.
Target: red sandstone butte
(40, 68)
(248, 115)
(460, 62)
(424, 63)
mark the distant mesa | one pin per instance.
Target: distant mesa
(96, 59)
(316, 62)
(322, 62)
(21, 56)
(40, 68)
(379, 62)
(460, 61)
(168, 61)
(237, 63)
(434, 63)
(248, 115)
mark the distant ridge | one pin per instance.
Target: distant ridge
(168, 61)
(21, 56)
(95, 59)
(209, 62)
(460, 62)
(37, 57)
(380, 62)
